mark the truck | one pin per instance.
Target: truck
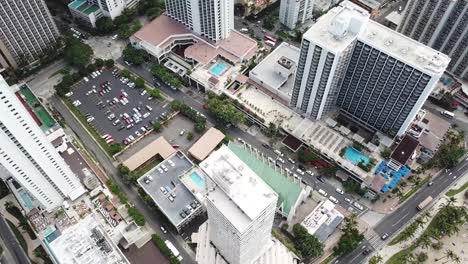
(424, 203)
(173, 249)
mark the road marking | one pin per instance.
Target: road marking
(401, 219)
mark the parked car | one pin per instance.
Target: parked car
(338, 190)
(322, 192)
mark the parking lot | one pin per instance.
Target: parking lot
(115, 108)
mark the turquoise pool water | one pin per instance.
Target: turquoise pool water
(26, 199)
(355, 156)
(219, 68)
(198, 180)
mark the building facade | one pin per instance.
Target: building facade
(213, 19)
(374, 75)
(89, 11)
(29, 157)
(323, 60)
(293, 12)
(240, 206)
(27, 30)
(442, 25)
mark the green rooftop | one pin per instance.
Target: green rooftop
(37, 109)
(287, 190)
(83, 7)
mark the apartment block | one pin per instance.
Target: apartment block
(442, 25)
(374, 75)
(26, 31)
(212, 19)
(28, 156)
(293, 12)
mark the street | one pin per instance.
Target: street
(400, 217)
(9, 239)
(107, 164)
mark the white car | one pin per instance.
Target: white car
(322, 192)
(146, 114)
(301, 172)
(163, 229)
(358, 206)
(279, 153)
(310, 173)
(164, 167)
(291, 160)
(338, 190)
(280, 160)
(348, 200)
(76, 103)
(69, 94)
(333, 199)
(115, 37)
(160, 170)
(171, 163)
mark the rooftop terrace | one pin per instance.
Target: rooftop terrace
(83, 7)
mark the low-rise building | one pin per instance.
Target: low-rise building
(275, 74)
(159, 148)
(323, 220)
(403, 152)
(206, 144)
(89, 11)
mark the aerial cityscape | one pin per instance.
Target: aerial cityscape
(233, 131)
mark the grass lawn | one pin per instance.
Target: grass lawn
(18, 235)
(400, 257)
(454, 192)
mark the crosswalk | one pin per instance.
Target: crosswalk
(373, 238)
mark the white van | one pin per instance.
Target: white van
(244, 30)
(149, 108)
(447, 114)
(322, 192)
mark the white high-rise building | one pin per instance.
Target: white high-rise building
(241, 208)
(376, 76)
(29, 157)
(293, 12)
(213, 19)
(442, 25)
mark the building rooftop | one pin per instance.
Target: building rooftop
(207, 143)
(83, 6)
(85, 242)
(341, 25)
(404, 150)
(338, 27)
(267, 73)
(323, 220)
(288, 191)
(405, 49)
(239, 193)
(170, 181)
(158, 147)
(163, 30)
(277, 253)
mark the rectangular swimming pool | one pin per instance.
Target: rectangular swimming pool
(355, 156)
(198, 180)
(219, 68)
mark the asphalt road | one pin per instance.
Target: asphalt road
(197, 103)
(107, 164)
(401, 216)
(12, 244)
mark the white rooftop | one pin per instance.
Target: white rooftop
(240, 194)
(86, 243)
(266, 71)
(338, 27)
(324, 215)
(405, 49)
(341, 25)
(277, 253)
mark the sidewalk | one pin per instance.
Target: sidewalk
(31, 244)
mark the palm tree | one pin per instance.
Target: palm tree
(456, 259)
(449, 254)
(425, 241)
(451, 201)
(375, 259)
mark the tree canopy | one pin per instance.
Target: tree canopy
(224, 111)
(350, 238)
(133, 56)
(77, 53)
(307, 244)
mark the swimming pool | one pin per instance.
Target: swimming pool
(355, 156)
(219, 68)
(198, 180)
(26, 199)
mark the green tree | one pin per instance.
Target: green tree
(125, 73)
(190, 136)
(269, 22)
(105, 25)
(421, 257)
(137, 216)
(224, 111)
(109, 63)
(155, 93)
(385, 153)
(99, 63)
(157, 126)
(139, 82)
(123, 170)
(200, 127)
(375, 259)
(76, 53)
(350, 238)
(307, 244)
(115, 148)
(133, 56)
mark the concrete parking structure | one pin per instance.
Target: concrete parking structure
(171, 196)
